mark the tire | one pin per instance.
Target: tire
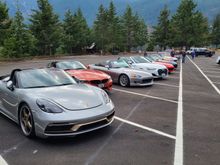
(26, 121)
(124, 80)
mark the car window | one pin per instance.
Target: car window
(140, 59)
(65, 65)
(125, 59)
(118, 64)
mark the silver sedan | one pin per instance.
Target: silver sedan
(48, 102)
(122, 74)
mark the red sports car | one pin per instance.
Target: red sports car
(81, 74)
(170, 67)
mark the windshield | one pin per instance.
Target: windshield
(140, 59)
(149, 58)
(155, 57)
(119, 64)
(65, 65)
(39, 78)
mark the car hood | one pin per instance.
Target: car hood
(71, 97)
(150, 65)
(165, 64)
(88, 74)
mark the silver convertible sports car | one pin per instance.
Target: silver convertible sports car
(48, 102)
(122, 74)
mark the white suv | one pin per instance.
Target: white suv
(218, 60)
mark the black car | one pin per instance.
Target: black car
(204, 51)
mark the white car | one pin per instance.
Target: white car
(140, 63)
(218, 60)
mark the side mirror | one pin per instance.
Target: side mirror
(130, 62)
(10, 85)
(107, 66)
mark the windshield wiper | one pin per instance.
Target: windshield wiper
(64, 84)
(79, 68)
(42, 86)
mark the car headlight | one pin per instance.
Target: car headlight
(48, 106)
(105, 97)
(151, 68)
(136, 76)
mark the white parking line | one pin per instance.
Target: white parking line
(212, 76)
(2, 161)
(173, 77)
(178, 156)
(169, 85)
(139, 94)
(217, 83)
(213, 85)
(145, 128)
(212, 71)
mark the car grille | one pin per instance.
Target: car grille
(97, 82)
(145, 81)
(65, 128)
(161, 71)
(171, 69)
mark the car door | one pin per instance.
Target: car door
(10, 99)
(2, 86)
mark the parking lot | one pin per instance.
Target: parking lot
(175, 121)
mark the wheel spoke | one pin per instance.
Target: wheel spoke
(29, 125)
(26, 120)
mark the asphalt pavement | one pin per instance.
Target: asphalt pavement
(146, 126)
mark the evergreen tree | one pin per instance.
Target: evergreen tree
(82, 34)
(46, 28)
(215, 36)
(20, 42)
(76, 32)
(185, 25)
(113, 30)
(162, 30)
(140, 31)
(69, 31)
(134, 30)
(201, 30)
(5, 22)
(128, 28)
(100, 26)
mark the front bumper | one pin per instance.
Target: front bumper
(160, 73)
(141, 82)
(105, 84)
(70, 123)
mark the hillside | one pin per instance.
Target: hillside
(148, 9)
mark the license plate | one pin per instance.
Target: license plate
(163, 75)
(101, 85)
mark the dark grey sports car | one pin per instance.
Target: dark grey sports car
(122, 74)
(48, 102)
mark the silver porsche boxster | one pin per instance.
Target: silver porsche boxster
(48, 102)
(122, 74)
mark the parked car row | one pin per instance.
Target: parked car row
(66, 97)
